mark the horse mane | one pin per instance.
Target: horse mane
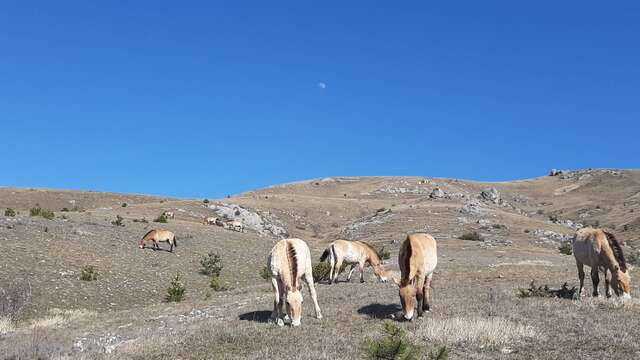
(372, 249)
(408, 251)
(292, 259)
(617, 250)
(149, 232)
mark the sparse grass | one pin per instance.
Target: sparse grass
(321, 271)
(45, 213)
(565, 248)
(498, 226)
(394, 344)
(473, 236)
(176, 290)
(118, 221)
(89, 273)
(474, 331)
(9, 212)
(161, 219)
(15, 301)
(544, 291)
(265, 273)
(143, 220)
(441, 353)
(211, 264)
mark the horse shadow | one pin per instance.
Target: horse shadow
(261, 316)
(379, 311)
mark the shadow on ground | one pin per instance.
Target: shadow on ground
(379, 311)
(261, 316)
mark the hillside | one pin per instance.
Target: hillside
(123, 315)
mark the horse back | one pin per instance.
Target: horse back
(418, 256)
(591, 247)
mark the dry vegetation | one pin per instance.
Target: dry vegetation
(478, 311)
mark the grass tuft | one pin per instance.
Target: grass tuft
(45, 213)
(89, 273)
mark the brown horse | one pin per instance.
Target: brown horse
(600, 250)
(158, 236)
(417, 259)
(353, 253)
(289, 262)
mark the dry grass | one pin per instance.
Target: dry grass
(475, 331)
(58, 317)
(6, 325)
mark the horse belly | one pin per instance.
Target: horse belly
(350, 258)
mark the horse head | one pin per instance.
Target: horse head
(294, 304)
(407, 294)
(621, 282)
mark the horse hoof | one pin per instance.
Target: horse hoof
(319, 316)
(280, 322)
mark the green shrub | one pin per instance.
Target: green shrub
(124, 204)
(566, 248)
(216, 284)
(45, 213)
(321, 271)
(161, 219)
(10, 212)
(473, 236)
(265, 273)
(175, 292)
(211, 264)
(118, 221)
(394, 344)
(89, 273)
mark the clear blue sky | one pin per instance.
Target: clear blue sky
(204, 99)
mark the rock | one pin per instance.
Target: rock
(491, 194)
(555, 172)
(264, 223)
(437, 193)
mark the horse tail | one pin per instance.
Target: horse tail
(325, 254)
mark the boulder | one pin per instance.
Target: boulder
(437, 193)
(491, 194)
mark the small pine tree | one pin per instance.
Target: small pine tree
(211, 264)
(393, 345)
(175, 292)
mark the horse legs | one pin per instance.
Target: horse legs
(580, 277)
(277, 303)
(309, 280)
(361, 266)
(332, 261)
(353, 268)
(337, 269)
(607, 282)
(420, 294)
(426, 306)
(156, 245)
(595, 278)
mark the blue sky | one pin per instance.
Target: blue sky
(207, 98)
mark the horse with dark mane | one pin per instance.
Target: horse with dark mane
(600, 250)
(353, 253)
(158, 236)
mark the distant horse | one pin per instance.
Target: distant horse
(353, 253)
(290, 262)
(234, 225)
(417, 259)
(158, 236)
(169, 214)
(600, 250)
(210, 220)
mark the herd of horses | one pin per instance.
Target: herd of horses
(289, 264)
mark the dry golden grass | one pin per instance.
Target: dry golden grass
(475, 331)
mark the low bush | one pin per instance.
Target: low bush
(161, 219)
(176, 290)
(216, 284)
(118, 221)
(565, 248)
(211, 264)
(321, 271)
(473, 236)
(394, 344)
(143, 220)
(45, 213)
(544, 291)
(124, 204)
(10, 212)
(89, 273)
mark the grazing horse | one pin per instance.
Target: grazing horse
(210, 220)
(158, 236)
(417, 259)
(600, 250)
(353, 253)
(169, 214)
(234, 225)
(290, 262)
